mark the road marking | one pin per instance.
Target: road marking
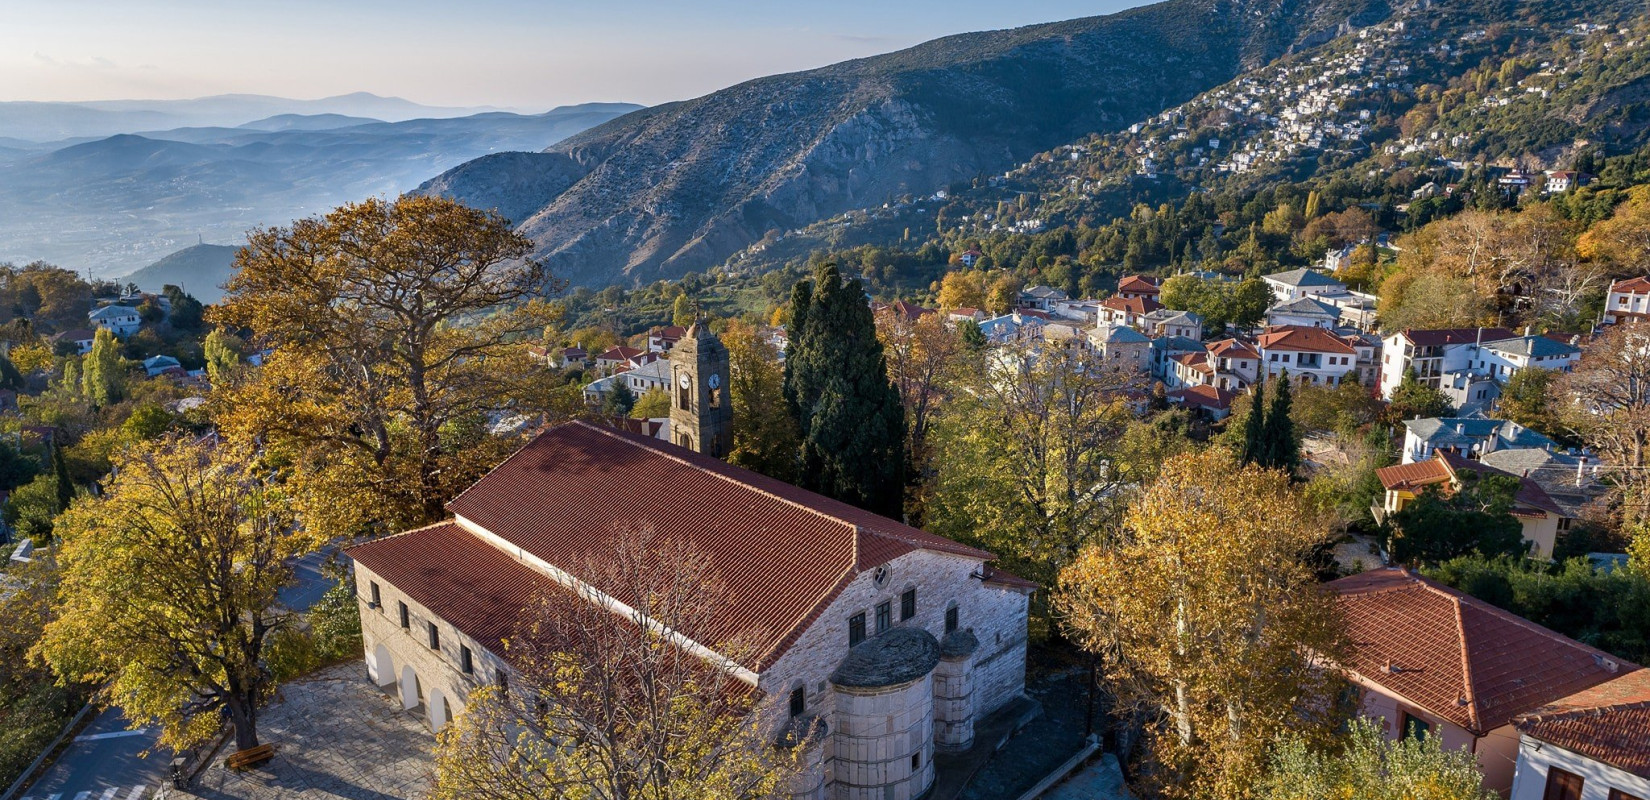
(93, 737)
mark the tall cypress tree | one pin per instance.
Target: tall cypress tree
(1254, 428)
(1282, 452)
(65, 484)
(836, 383)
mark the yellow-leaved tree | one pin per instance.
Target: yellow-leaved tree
(1210, 621)
(397, 329)
(167, 594)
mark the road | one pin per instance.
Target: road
(105, 762)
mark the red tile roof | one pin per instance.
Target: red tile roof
(1132, 305)
(1444, 465)
(1203, 396)
(1197, 361)
(1609, 722)
(1232, 348)
(784, 552)
(474, 586)
(620, 353)
(1304, 338)
(1139, 284)
(1458, 657)
(1440, 336)
(1638, 285)
(911, 311)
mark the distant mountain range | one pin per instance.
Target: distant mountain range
(681, 187)
(113, 204)
(50, 122)
(201, 270)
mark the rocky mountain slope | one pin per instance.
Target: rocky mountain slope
(201, 270)
(680, 187)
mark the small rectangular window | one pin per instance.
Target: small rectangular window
(503, 681)
(799, 702)
(435, 637)
(885, 616)
(951, 620)
(856, 629)
(1562, 785)
(406, 619)
(466, 660)
(377, 600)
(907, 605)
(916, 761)
(1617, 794)
(1416, 728)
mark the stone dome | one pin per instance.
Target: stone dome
(890, 658)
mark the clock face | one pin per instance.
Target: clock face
(686, 382)
(715, 381)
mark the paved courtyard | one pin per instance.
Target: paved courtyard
(336, 736)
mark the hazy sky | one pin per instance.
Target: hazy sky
(529, 55)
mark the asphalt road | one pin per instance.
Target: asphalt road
(106, 761)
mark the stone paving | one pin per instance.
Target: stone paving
(336, 736)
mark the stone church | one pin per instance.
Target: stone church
(890, 641)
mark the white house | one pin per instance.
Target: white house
(894, 641)
(122, 321)
(1504, 358)
(1628, 301)
(1310, 355)
(1130, 311)
(1434, 355)
(1040, 297)
(1122, 347)
(1169, 322)
(1307, 312)
(1471, 436)
(1591, 745)
(1298, 283)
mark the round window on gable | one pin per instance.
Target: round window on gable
(880, 576)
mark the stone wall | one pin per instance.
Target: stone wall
(437, 671)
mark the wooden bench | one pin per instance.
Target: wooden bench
(250, 757)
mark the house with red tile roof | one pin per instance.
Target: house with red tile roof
(1216, 404)
(1446, 359)
(1230, 365)
(1540, 516)
(621, 357)
(661, 339)
(850, 615)
(1591, 745)
(1139, 287)
(1310, 355)
(1429, 660)
(1130, 311)
(1627, 301)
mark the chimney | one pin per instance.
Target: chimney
(1581, 467)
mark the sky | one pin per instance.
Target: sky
(528, 56)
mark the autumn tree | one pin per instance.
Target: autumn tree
(103, 371)
(653, 404)
(1372, 766)
(1004, 294)
(396, 327)
(1025, 458)
(1624, 238)
(600, 706)
(169, 585)
(765, 436)
(848, 413)
(922, 354)
(963, 289)
(1526, 398)
(1208, 618)
(1609, 410)
(222, 351)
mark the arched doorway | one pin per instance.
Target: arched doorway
(440, 713)
(411, 693)
(381, 666)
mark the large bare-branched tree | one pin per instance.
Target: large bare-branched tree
(609, 698)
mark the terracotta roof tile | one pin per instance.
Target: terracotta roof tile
(1138, 283)
(1609, 722)
(1443, 466)
(1458, 657)
(783, 552)
(1203, 396)
(1304, 338)
(1637, 285)
(1132, 305)
(1232, 348)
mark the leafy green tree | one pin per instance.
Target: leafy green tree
(1278, 443)
(682, 311)
(1607, 608)
(16, 467)
(1247, 303)
(1371, 766)
(60, 476)
(973, 339)
(1525, 399)
(653, 403)
(1413, 399)
(103, 371)
(1476, 517)
(33, 508)
(148, 421)
(187, 313)
(836, 384)
(222, 350)
(619, 400)
(765, 437)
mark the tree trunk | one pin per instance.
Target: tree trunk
(244, 716)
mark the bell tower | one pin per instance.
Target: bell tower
(701, 413)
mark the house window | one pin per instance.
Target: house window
(951, 620)
(1562, 785)
(466, 660)
(1617, 794)
(406, 619)
(856, 629)
(435, 637)
(885, 616)
(1414, 728)
(907, 605)
(799, 701)
(377, 599)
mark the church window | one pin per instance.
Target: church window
(466, 660)
(916, 761)
(799, 702)
(856, 629)
(377, 599)
(716, 398)
(907, 605)
(435, 637)
(951, 620)
(503, 681)
(885, 615)
(406, 620)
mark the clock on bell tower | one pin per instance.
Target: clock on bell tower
(701, 414)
